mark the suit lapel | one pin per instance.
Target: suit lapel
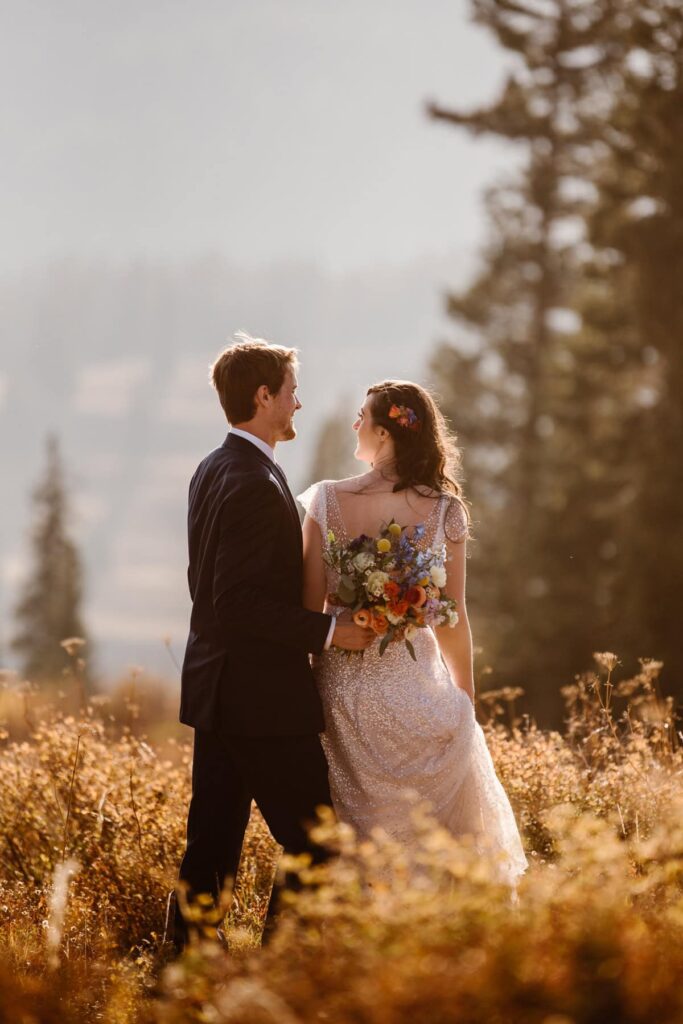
(279, 473)
(247, 448)
(282, 481)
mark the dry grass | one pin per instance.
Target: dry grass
(91, 830)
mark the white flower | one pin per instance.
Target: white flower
(394, 619)
(453, 617)
(411, 631)
(438, 575)
(363, 561)
(375, 583)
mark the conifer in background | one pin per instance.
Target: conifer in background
(49, 608)
(636, 235)
(538, 399)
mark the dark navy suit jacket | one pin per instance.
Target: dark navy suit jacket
(246, 670)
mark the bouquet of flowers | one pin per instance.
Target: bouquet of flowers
(392, 586)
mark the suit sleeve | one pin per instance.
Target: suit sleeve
(190, 579)
(247, 549)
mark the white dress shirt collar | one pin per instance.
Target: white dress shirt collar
(261, 445)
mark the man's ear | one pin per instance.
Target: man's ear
(262, 396)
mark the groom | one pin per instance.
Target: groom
(247, 686)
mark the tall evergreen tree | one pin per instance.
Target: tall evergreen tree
(637, 236)
(538, 456)
(48, 611)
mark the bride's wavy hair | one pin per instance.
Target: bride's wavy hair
(427, 454)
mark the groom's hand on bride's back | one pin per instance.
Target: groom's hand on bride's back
(349, 636)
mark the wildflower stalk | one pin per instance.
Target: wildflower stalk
(606, 709)
(71, 794)
(135, 811)
(171, 654)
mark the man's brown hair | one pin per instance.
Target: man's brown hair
(241, 369)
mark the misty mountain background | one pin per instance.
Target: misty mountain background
(171, 173)
(115, 360)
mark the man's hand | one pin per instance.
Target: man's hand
(349, 636)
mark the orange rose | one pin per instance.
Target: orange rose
(391, 590)
(416, 596)
(399, 607)
(363, 618)
(379, 625)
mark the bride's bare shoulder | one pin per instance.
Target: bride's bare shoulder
(428, 492)
(350, 484)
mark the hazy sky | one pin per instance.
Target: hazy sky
(262, 130)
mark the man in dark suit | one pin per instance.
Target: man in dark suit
(247, 685)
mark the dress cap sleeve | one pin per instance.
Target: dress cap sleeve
(456, 524)
(314, 503)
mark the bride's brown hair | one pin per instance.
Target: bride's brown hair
(427, 455)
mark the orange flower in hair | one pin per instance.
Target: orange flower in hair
(404, 416)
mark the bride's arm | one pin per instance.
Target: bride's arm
(315, 583)
(343, 632)
(455, 642)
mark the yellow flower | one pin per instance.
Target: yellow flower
(424, 582)
(331, 537)
(394, 529)
(383, 545)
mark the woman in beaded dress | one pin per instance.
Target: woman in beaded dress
(398, 730)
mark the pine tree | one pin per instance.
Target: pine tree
(538, 454)
(48, 611)
(637, 235)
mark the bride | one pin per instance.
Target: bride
(398, 729)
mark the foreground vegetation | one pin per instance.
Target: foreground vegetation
(91, 830)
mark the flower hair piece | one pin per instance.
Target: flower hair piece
(404, 416)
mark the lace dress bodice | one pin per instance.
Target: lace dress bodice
(397, 730)
(447, 518)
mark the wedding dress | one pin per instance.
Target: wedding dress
(399, 730)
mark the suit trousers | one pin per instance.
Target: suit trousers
(287, 776)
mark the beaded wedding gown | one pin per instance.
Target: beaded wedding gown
(399, 730)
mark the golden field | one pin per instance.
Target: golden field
(92, 814)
